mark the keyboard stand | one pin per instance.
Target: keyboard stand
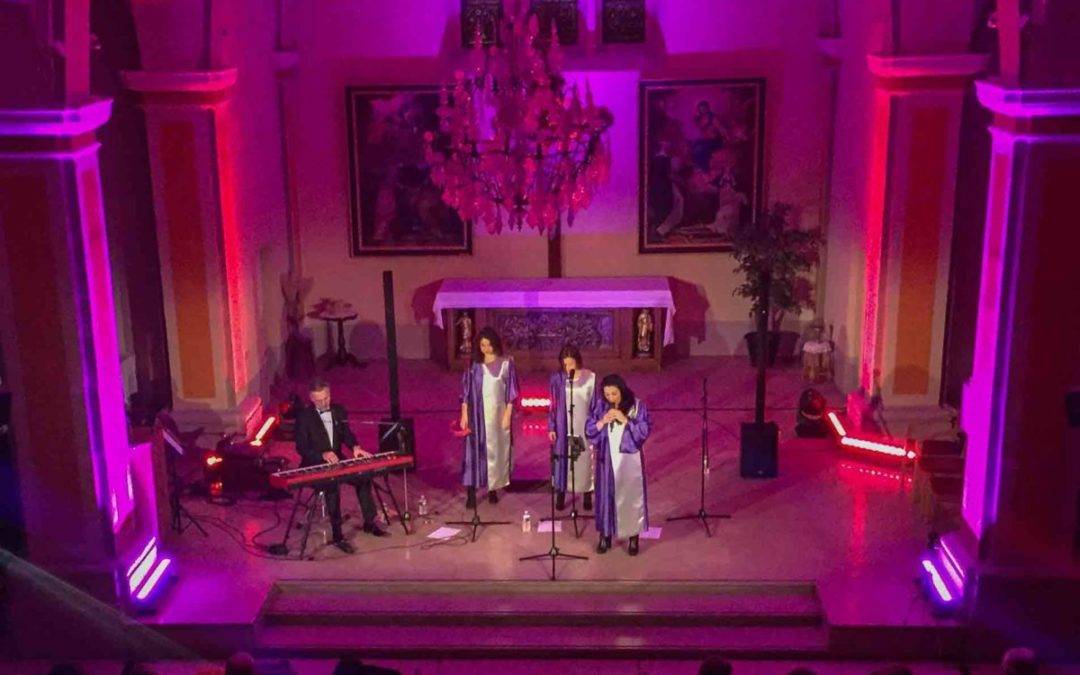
(309, 505)
(379, 491)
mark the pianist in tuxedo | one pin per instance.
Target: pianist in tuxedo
(321, 431)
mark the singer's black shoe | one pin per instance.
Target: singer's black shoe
(604, 545)
(493, 497)
(470, 500)
(633, 549)
(345, 546)
(560, 500)
(586, 503)
(374, 530)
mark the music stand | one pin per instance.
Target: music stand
(177, 511)
(703, 515)
(554, 553)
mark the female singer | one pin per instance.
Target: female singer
(560, 425)
(618, 427)
(489, 389)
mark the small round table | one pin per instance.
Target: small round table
(817, 360)
(342, 357)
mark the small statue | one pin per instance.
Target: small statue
(644, 332)
(465, 333)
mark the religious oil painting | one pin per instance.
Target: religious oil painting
(701, 162)
(395, 207)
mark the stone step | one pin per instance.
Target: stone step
(542, 641)
(570, 603)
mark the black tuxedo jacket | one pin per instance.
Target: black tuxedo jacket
(311, 439)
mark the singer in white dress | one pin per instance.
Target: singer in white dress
(618, 426)
(488, 391)
(571, 384)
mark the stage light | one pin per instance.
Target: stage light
(213, 460)
(535, 403)
(154, 579)
(936, 582)
(267, 425)
(895, 448)
(810, 415)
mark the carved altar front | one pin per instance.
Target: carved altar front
(618, 323)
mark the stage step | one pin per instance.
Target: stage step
(754, 619)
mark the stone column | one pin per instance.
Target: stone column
(190, 128)
(1022, 473)
(911, 179)
(59, 340)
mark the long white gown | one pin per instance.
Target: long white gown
(498, 439)
(584, 389)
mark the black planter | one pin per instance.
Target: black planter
(773, 339)
(781, 346)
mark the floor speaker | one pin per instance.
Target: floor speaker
(758, 450)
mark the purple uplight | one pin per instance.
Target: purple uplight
(938, 584)
(152, 582)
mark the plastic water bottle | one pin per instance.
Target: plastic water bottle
(526, 521)
(421, 507)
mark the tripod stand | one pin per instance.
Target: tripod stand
(554, 553)
(703, 515)
(180, 518)
(476, 522)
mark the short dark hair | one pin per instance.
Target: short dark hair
(628, 399)
(487, 333)
(318, 384)
(570, 351)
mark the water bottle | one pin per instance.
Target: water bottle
(421, 506)
(526, 521)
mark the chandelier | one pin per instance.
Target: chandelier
(516, 145)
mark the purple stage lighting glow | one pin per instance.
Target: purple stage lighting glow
(152, 582)
(943, 593)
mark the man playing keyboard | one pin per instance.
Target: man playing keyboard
(321, 431)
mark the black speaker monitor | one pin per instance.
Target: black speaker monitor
(758, 450)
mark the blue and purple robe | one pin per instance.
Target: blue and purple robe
(487, 389)
(584, 393)
(621, 504)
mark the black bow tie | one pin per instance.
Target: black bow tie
(324, 412)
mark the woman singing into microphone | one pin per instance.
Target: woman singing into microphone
(571, 384)
(618, 426)
(488, 391)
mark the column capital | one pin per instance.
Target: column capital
(49, 129)
(181, 87)
(1038, 111)
(925, 71)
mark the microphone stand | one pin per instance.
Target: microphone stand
(573, 451)
(475, 522)
(703, 515)
(553, 553)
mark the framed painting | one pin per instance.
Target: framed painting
(395, 208)
(701, 162)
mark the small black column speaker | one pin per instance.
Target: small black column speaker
(758, 450)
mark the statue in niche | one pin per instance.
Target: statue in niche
(464, 325)
(644, 332)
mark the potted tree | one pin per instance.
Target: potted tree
(772, 253)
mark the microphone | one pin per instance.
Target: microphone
(573, 372)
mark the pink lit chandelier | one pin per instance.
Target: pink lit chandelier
(516, 147)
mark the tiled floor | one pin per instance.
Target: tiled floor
(841, 521)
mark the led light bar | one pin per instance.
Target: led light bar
(152, 582)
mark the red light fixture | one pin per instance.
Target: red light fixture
(883, 446)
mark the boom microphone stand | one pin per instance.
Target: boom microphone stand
(703, 515)
(554, 553)
(476, 522)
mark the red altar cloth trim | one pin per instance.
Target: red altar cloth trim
(578, 293)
